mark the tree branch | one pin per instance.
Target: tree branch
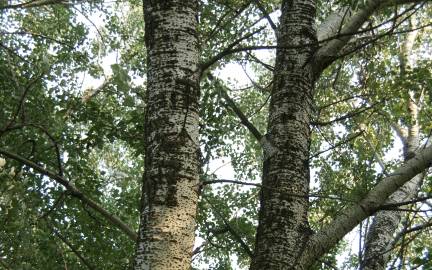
(233, 232)
(219, 25)
(257, 60)
(266, 15)
(35, 3)
(72, 248)
(325, 55)
(330, 235)
(209, 182)
(332, 25)
(268, 148)
(346, 116)
(310, 195)
(255, 132)
(390, 3)
(342, 142)
(391, 206)
(415, 229)
(75, 192)
(227, 51)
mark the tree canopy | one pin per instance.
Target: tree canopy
(72, 132)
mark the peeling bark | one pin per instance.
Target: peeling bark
(169, 195)
(283, 225)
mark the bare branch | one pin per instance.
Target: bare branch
(268, 148)
(417, 228)
(255, 132)
(391, 206)
(333, 23)
(310, 195)
(37, 35)
(218, 181)
(353, 23)
(390, 3)
(256, 59)
(219, 25)
(362, 42)
(199, 249)
(56, 203)
(340, 101)
(346, 116)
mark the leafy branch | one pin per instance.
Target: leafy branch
(75, 192)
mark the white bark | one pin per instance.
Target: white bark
(169, 196)
(284, 239)
(327, 238)
(283, 226)
(331, 27)
(329, 51)
(351, 22)
(385, 224)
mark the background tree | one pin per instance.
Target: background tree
(74, 155)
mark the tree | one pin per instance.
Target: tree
(171, 174)
(337, 96)
(380, 235)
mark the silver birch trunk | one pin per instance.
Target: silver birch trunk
(170, 181)
(283, 226)
(380, 237)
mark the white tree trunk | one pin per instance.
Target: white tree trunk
(283, 226)
(284, 239)
(169, 195)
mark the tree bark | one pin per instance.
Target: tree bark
(283, 225)
(347, 219)
(380, 237)
(284, 239)
(170, 182)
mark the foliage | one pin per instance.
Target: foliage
(93, 136)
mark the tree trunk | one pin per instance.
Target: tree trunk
(380, 237)
(283, 226)
(169, 195)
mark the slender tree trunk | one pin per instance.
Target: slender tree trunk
(380, 237)
(283, 226)
(169, 195)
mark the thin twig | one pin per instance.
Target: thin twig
(255, 132)
(266, 15)
(72, 248)
(233, 232)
